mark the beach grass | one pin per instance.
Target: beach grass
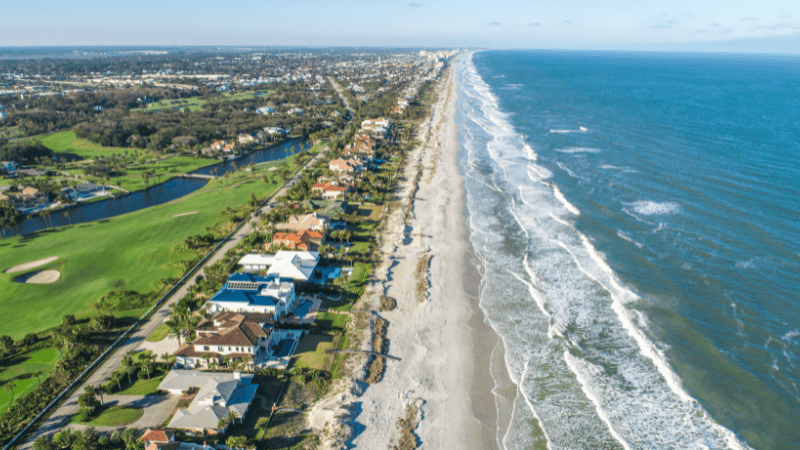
(112, 416)
(22, 371)
(130, 252)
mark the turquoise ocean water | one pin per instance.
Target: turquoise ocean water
(636, 219)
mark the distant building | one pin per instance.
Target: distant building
(304, 223)
(265, 110)
(331, 191)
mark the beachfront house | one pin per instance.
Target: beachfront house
(300, 240)
(248, 293)
(219, 394)
(298, 266)
(241, 337)
(307, 222)
(330, 191)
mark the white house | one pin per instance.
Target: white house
(285, 264)
(248, 293)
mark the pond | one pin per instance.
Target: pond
(155, 195)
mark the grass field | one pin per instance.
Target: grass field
(130, 252)
(144, 387)
(158, 334)
(311, 351)
(331, 320)
(113, 416)
(68, 142)
(196, 103)
(22, 370)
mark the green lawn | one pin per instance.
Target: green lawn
(23, 369)
(67, 142)
(330, 320)
(158, 334)
(113, 416)
(311, 351)
(129, 252)
(144, 387)
(196, 103)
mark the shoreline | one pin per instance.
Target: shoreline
(445, 380)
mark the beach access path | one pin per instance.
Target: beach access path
(61, 416)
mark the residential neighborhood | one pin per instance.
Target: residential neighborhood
(251, 319)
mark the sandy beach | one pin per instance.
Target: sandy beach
(442, 380)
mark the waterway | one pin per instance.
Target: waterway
(154, 195)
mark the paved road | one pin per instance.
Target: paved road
(61, 416)
(341, 95)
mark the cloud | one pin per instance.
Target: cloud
(567, 21)
(714, 25)
(785, 16)
(661, 26)
(701, 31)
(534, 24)
(749, 19)
(415, 5)
(779, 26)
(727, 30)
(494, 24)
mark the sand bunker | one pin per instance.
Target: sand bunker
(185, 214)
(30, 265)
(39, 277)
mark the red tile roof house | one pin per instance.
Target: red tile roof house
(304, 222)
(330, 191)
(158, 439)
(303, 240)
(345, 165)
(227, 334)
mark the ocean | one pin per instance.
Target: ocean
(635, 219)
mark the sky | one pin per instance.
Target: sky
(768, 26)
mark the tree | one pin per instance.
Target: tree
(232, 416)
(29, 339)
(207, 357)
(175, 329)
(117, 377)
(62, 439)
(222, 424)
(101, 390)
(88, 400)
(6, 341)
(43, 443)
(238, 442)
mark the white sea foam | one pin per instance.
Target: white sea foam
(570, 150)
(629, 239)
(618, 168)
(569, 206)
(790, 335)
(579, 130)
(571, 334)
(649, 208)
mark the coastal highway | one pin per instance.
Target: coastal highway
(61, 416)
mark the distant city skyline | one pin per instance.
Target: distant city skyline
(771, 26)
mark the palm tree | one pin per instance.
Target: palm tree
(175, 329)
(66, 214)
(102, 389)
(232, 416)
